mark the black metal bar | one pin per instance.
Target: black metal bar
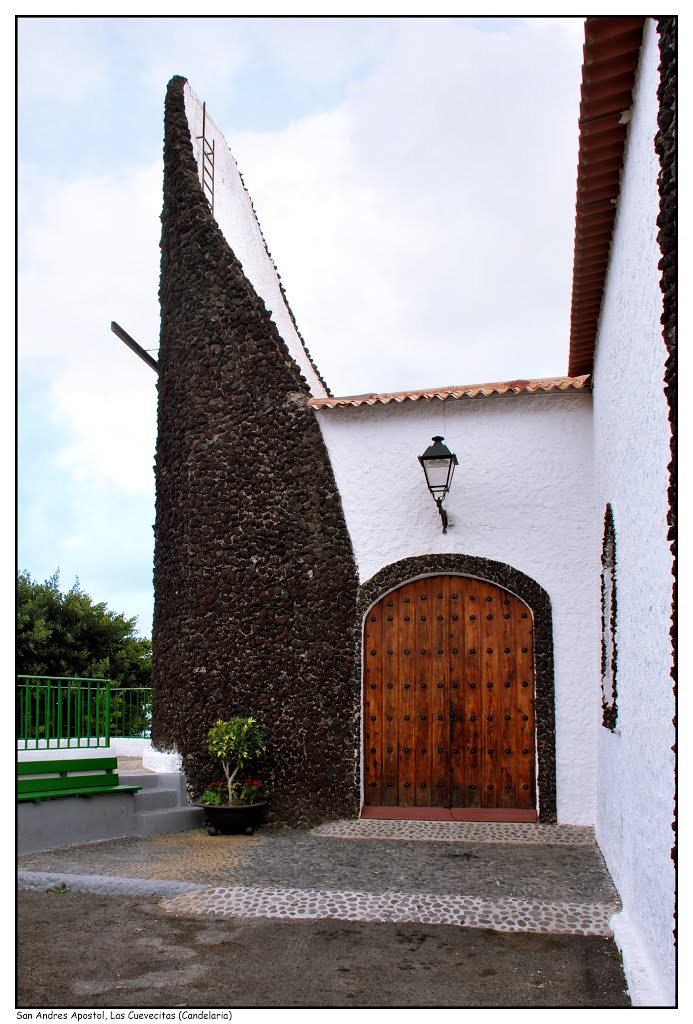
(131, 343)
(212, 162)
(207, 158)
(443, 514)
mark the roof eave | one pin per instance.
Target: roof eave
(610, 60)
(543, 386)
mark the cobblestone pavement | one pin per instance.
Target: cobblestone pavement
(459, 831)
(434, 873)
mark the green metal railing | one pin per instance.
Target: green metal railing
(131, 711)
(57, 712)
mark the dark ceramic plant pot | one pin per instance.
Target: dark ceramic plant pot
(239, 818)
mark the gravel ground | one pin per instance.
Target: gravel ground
(101, 952)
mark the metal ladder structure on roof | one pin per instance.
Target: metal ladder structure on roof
(207, 160)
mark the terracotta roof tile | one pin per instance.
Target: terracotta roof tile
(512, 387)
(611, 52)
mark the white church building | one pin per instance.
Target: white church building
(547, 601)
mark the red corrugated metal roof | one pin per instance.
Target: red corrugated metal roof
(611, 51)
(512, 387)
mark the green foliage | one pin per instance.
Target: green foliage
(214, 795)
(67, 634)
(236, 743)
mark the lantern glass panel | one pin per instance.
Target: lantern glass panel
(437, 471)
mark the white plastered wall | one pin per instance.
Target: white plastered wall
(522, 495)
(636, 765)
(235, 216)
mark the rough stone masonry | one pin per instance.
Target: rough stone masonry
(255, 579)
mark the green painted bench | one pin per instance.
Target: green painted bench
(98, 775)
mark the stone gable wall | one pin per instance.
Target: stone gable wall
(255, 580)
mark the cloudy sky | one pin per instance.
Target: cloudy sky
(414, 179)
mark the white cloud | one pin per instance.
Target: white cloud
(322, 50)
(61, 59)
(89, 254)
(209, 51)
(424, 228)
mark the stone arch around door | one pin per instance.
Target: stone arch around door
(393, 576)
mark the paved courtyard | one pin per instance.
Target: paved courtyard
(428, 872)
(472, 883)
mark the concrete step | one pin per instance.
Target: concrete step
(156, 799)
(173, 819)
(152, 780)
(161, 805)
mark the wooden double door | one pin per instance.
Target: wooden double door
(448, 710)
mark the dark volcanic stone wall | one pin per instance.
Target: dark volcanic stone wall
(255, 581)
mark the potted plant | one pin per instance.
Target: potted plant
(236, 802)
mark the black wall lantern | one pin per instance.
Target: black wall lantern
(438, 464)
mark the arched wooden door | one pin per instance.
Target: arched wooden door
(449, 697)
